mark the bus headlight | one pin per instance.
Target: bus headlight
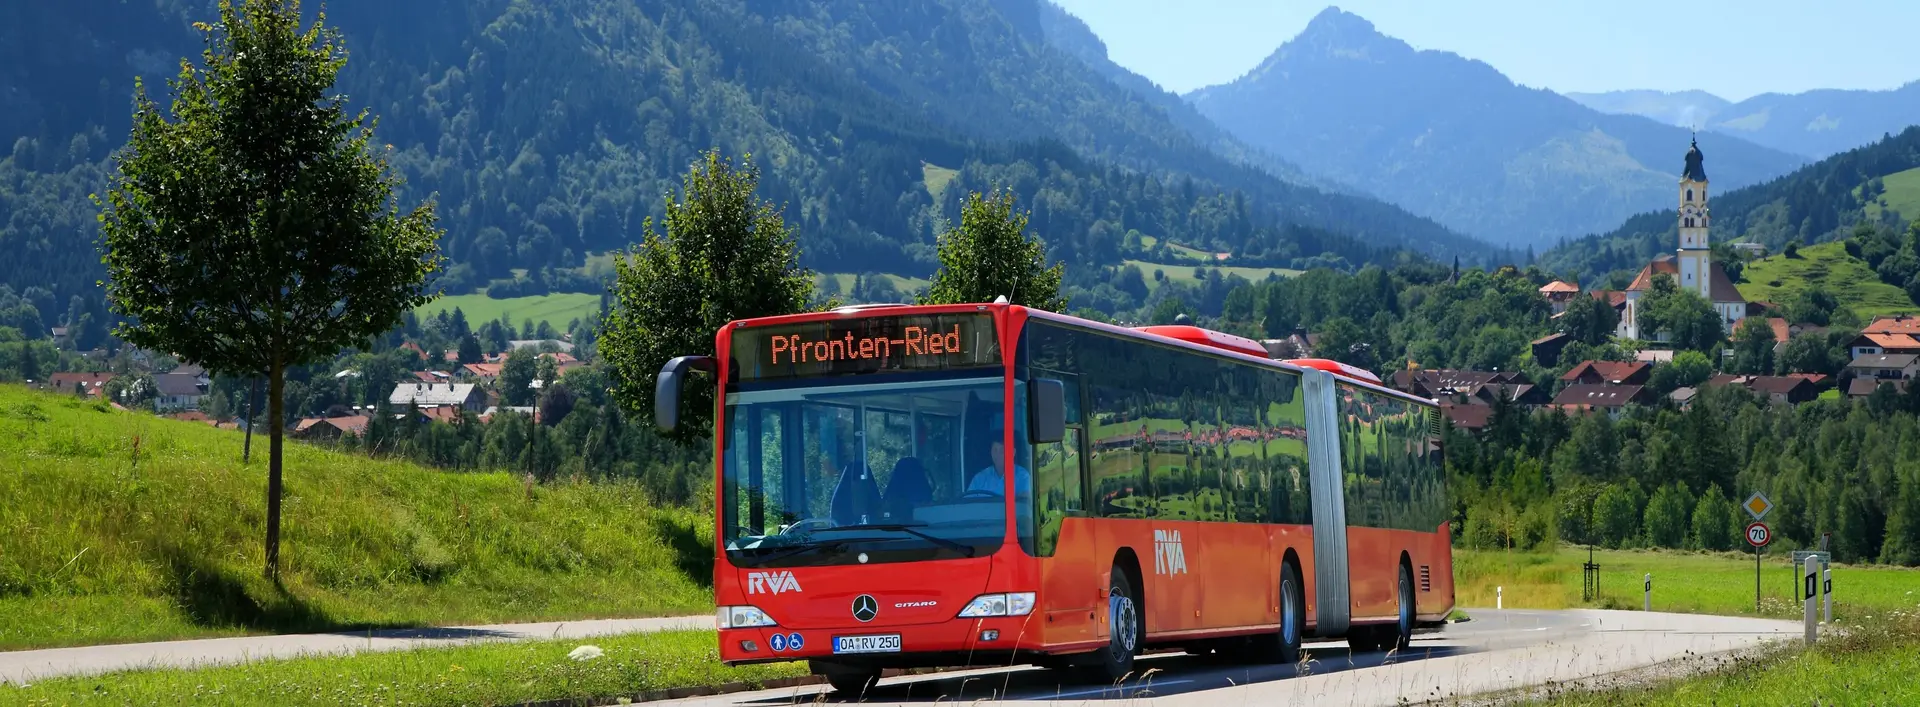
(742, 617)
(1014, 604)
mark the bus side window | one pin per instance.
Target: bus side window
(1058, 494)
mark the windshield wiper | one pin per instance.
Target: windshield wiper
(786, 551)
(914, 530)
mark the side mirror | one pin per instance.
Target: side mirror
(666, 389)
(1046, 411)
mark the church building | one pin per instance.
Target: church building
(1692, 267)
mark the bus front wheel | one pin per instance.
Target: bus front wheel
(849, 681)
(1123, 628)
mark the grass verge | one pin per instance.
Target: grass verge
(1872, 661)
(485, 674)
(1687, 582)
(118, 527)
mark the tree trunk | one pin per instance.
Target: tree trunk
(246, 450)
(276, 384)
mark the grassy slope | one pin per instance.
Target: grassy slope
(1711, 583)
(557, 309)
(498, 673)
(1827, 264)
(1903, 194)
(1184, 273)
(935, 178)
(99, 544)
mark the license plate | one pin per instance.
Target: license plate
(867, 644)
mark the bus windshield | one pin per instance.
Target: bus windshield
(896, 471)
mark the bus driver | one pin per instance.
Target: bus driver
(992, 479)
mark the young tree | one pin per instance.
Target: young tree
(989, 255)
(516, 377)
(1807, 353)
(1753, 347)
(1616, 517)
(1682, 314)
(257, 229)
(1666, 517)
(725, 255)
(1714, 521)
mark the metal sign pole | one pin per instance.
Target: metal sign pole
(1756, 578)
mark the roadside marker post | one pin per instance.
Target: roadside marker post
(1809, 591)
(1826, 594)
(1649, 593)
(1499, 598)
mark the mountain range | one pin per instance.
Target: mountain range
(548, 131)
(1812, 124)
(1455, 140)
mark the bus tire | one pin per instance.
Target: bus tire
(850, 681)
(1125, 629)
(1402, 629)
(1293, 614)
(1283, 645)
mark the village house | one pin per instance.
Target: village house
(89, 384)
(1780, 390)
(330, 428)
(431, 395)
(183, 388)
(1608, 373)
(1863, 387)
(1887, 335)
(1590, 397)
(1559, 293)
(1547, 349)
(1884, 366)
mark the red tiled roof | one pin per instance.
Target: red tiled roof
(1901, 324)
(64, 382)
(484, 370)
(1607, 370)
(1559, 286)
(1644, 281)
(1862, 387)
(1779, 329)
(1892, 341)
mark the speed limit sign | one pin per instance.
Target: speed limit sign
(1758, 534)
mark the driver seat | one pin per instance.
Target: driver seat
(856, 498)
(907, 489)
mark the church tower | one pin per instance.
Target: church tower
(1696, 257)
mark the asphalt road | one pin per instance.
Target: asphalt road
(1496, 651)
(24, 666)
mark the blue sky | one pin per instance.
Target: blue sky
(1734, 49)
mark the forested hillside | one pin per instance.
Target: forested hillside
(1824, 201)
(549, 131)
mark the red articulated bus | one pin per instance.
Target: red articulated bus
(1170, 488)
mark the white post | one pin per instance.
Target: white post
(1649, 592)
(1809, 591)
(1826, 595)
(1498, 600)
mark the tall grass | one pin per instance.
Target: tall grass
(1688, 582)
(118, 526)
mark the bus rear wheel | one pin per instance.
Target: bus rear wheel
(1284, 645)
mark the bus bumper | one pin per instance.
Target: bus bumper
(958, 642)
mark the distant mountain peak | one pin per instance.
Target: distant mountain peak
(1335, 23)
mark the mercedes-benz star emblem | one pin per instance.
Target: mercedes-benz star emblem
(865, 608)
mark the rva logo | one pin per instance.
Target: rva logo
(1169, 555)
(771, 583)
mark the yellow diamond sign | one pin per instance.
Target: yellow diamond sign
(1758, 505)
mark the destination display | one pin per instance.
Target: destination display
(859, 345)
